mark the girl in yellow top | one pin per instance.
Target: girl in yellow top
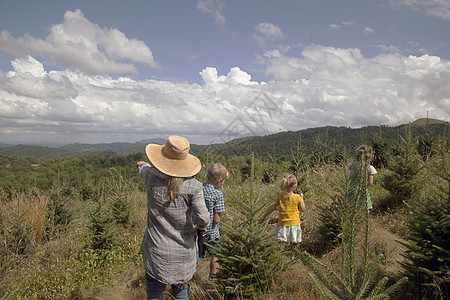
(289, 207)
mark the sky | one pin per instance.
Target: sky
(213, 70)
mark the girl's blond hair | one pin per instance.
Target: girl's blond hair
(288, 183)
(174, 186)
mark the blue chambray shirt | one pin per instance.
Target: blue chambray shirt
(169, 247)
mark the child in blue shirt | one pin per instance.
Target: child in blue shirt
(215, 178)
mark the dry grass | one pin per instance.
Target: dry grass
(127, 281)
(23, 219)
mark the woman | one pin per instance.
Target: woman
(169, 246)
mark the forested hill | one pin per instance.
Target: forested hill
(279, 144)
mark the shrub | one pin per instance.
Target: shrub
(356, 277)
(427, 263)
(250, 260)
(101, 228)
(58, 213)
(403, 181)
(24, 220)
(120, 209)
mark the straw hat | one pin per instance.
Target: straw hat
(173, 158)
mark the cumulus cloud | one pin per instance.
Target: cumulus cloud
(322, 86)
(79, 44)
(341, 87)
(235, 76)
(434, 8)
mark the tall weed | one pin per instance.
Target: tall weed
(23, 218)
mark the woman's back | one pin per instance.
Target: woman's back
(169, 244)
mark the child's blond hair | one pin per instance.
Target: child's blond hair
(288, 183)
(216, 171)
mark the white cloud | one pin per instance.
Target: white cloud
(343, 24)
(368, 30)
(434, 8)
(213, 7)
(341, 87)
(267, 32)
(323, 86)
(235, 76)
(79, 44)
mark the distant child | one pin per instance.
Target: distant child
(215, 178)
(364, 155)
(289, 207)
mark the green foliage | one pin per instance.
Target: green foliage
(381, 151)
(427, 263)
(101, 228)
(120, 204)
(297, 165)
(18, 232)
(321, 154)
(426, 143)
(356, 278)
(10, 296)
(58, 213)
(403, 181)
(251, 261)
(330, 216)
(120, 209)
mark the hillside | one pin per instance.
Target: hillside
(279, 144)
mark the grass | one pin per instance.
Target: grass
(62, 266)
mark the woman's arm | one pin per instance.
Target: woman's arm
(199, 210)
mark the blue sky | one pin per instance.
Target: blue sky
(211, 70)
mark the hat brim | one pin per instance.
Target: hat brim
(178, 168)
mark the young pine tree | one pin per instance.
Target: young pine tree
(427, 258)
(57, 211)
(381, 151)
(250, 259)
(403, 181)
(101, 228)
(356, 277)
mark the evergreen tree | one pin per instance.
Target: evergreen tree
(354, 280)
(425, 145)
(120, 204)
(403, 181)
(297, 165)
(427, 256)
(249, 258)
(381, 151)
(320, 154)
(101, 230)
(120, 209)
(330, 216)
(58, 213)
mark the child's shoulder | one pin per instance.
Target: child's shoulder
(211, 188)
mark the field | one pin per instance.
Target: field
(87, 248)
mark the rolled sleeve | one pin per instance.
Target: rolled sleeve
(199, 210)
